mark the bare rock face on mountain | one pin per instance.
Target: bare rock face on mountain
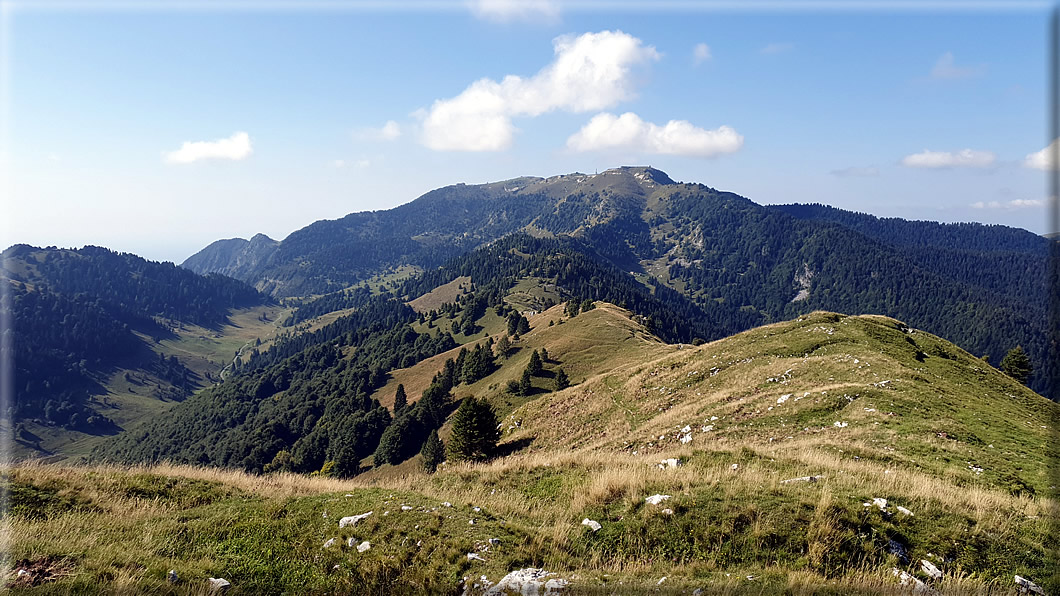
(234, 257)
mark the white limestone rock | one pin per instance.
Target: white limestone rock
(656, 499)
(353, 519)
(594, 525)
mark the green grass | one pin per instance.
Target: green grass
(592, 451)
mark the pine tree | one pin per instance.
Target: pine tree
(544, 355)
(525, 386)
(433, 452)
(524, 325)
(1017, 365)
(475, 432)
(400, 400)
(504, 346)
(535, 367)
(561, 380)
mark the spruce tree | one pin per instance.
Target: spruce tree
(561, 380)
(433, 452)
(525, 386)
(475, 432)
(504, 346)
(535, 365)
(400, 400)
(1017, 365)
(544, 355)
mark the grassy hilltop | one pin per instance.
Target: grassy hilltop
(868, 408)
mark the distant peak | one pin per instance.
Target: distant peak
(643, 173)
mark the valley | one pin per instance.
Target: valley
(683, 391)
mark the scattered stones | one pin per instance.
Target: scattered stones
(350, 541)
(919, 587)
(1027, 585)
(659, 583)
(783, 398)
(219, 584)
(667, 511)
(904, 511)
(595, 525)
(802, 479)
(656, 499)
(477, 509)
(839, 424)
(364, 546)
(685, 439)
(406, 508)
(329, 543)
(673, 462)
(171, 577)
(447, 504)
(474, 557)
(495, 541)
(352, 520)
(930, 569)
(528, 581)
(735, 467)
(470, 522)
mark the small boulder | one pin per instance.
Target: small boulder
(352, 520)
(364, 546)
(219, 584)
(904, 511)
(171, 577)
(329, 543)
(656, 499)
(474, 557)
(594, 525)
(930, 569)
(1027, 585)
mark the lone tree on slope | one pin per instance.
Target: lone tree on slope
(1017, 365)
(475, 432)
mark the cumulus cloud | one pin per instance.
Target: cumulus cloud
(1014, 204)
(676, 137)
(946, 68)
(515, 10)
(235, 147)
(776, 48)
(590, 72)
(388, 132)
(1042, 160)
(701, 53)
(965, 158)
(856, 172)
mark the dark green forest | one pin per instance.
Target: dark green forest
(75, 314)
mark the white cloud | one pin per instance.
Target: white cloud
(512, 10)
(338, 163)
(856, 172)
(388, 132)
(1014, 204)
(776, 48)
(965, 158)
(363, 163)
(235, 147)
(946, 68)
(701, 53)
(1044, 159)
(590, 72)
(676, 137)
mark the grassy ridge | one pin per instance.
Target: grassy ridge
(920, 415)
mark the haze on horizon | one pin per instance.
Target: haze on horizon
(174, 128)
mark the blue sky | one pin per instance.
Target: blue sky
(159, 131)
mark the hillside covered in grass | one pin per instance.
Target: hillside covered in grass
(817, 455)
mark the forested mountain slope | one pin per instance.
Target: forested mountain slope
(80, 316)
(983, 287)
